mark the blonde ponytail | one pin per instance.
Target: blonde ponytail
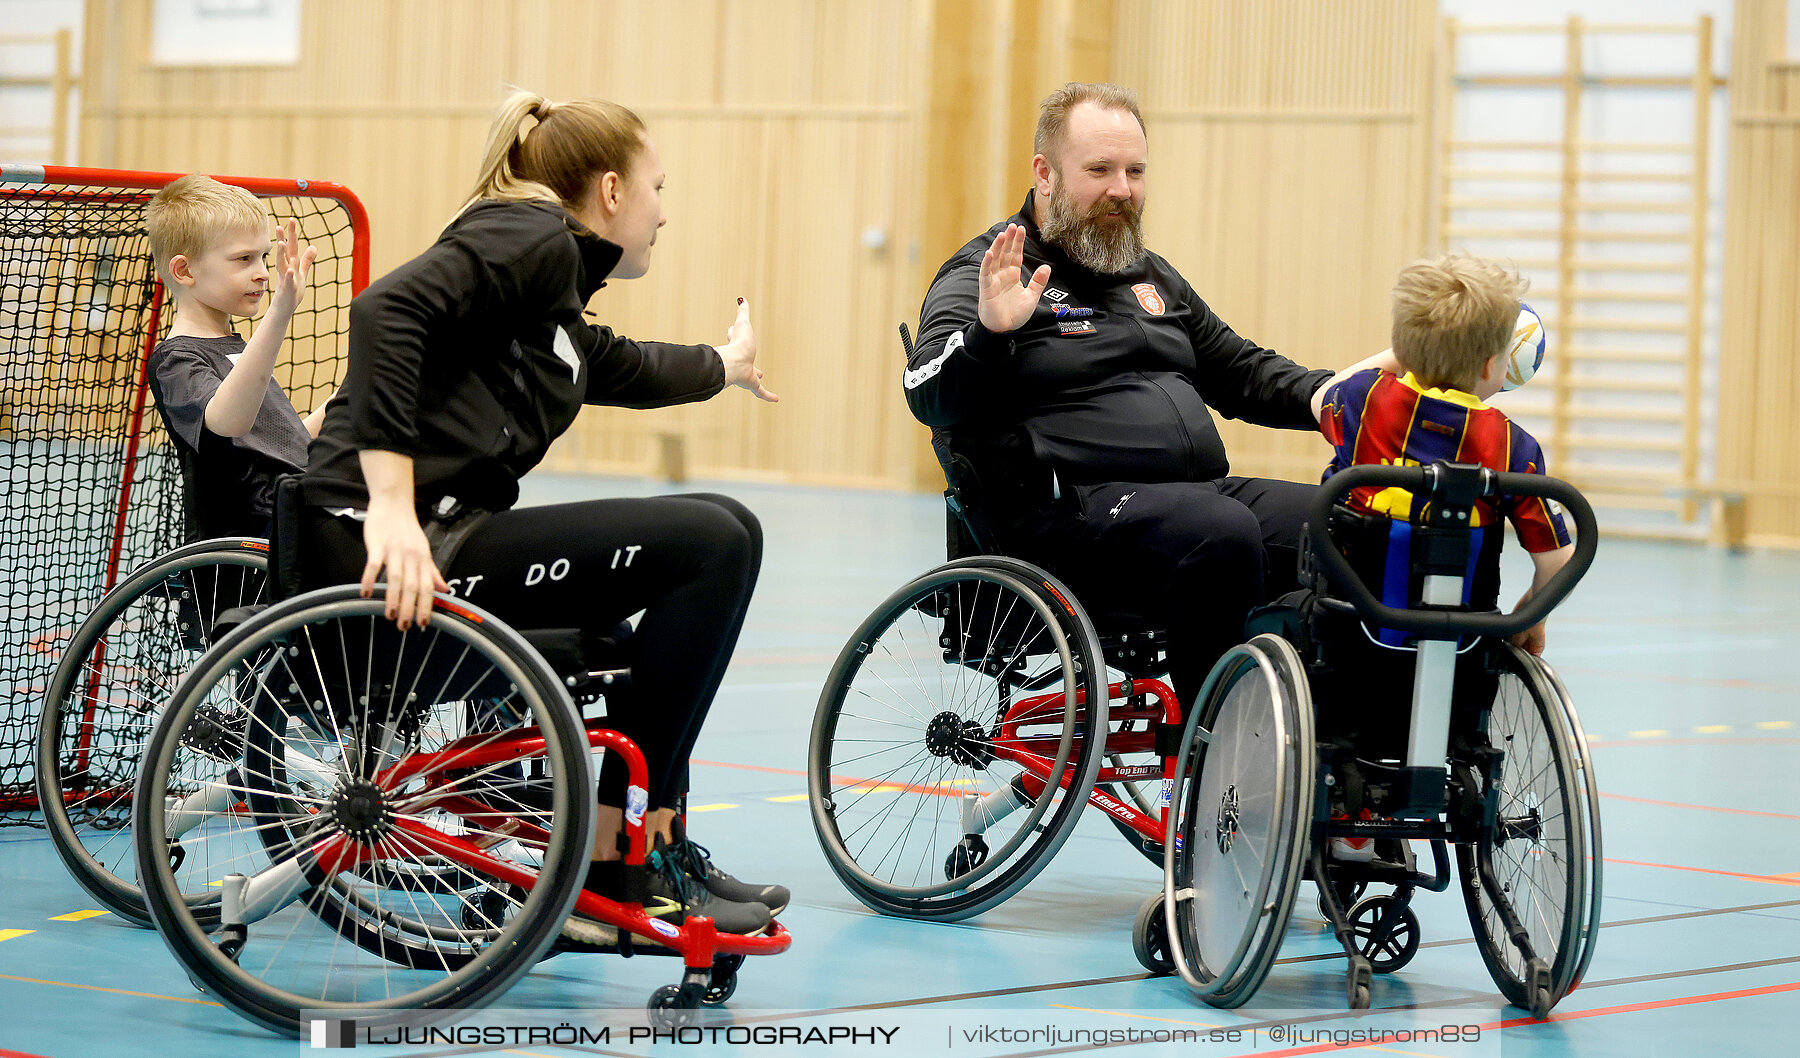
(557, 158)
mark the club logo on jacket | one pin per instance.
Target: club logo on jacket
(1148, 297)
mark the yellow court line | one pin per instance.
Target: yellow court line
(709, 808)
(1138, 1017)
(1774, 725)
(113, 991)
(77, 916)
(1652, 733)
(9, 934)
(788, 798)
(1713, 729)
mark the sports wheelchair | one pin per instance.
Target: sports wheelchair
(1290, 747)
(335, 815)
(971, 716)
(117, 670)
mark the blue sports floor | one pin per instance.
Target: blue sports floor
(1683, 664)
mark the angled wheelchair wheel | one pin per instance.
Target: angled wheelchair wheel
(117, 672)
(1242, 806)
(377, 842)
(956, 740)
(1529, 868)
(1588, 930)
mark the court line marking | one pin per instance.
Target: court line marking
(1745, 740)
(1253, 1026)
(1699, 681)
(710, 808)
(1124, 978)
(1293, 960)
(77, 916)
(1555, 1017)
(1772, 879)
(1702, 808)
(112, 991)
(4, 1053)
(9, 934)
(1136, 1017)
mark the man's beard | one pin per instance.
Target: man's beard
(1097, 242)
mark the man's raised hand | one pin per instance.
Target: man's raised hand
(1005, 304)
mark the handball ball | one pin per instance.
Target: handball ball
(1526, 354)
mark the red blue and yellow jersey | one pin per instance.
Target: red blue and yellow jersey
(1376, 417)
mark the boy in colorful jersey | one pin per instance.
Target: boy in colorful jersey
(1453, 321)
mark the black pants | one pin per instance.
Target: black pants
(1191, 557)
(688, 562)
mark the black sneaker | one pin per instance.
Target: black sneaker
(698, 864)
(669, 895)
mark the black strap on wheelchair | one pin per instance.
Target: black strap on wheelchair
(1168, 739)
(284, 539)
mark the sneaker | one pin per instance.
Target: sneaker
(669, 895)
(1353, 850)
(698, 864)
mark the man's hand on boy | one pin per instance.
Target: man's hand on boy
(293, 269)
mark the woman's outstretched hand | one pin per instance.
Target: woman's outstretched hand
(739, 355)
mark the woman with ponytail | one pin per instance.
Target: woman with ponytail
(465, 363)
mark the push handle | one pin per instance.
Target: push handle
(1426, 481)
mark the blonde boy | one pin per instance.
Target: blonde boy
(234, 429)
(1453, 323)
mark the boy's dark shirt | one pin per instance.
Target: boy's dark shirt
(227, 482)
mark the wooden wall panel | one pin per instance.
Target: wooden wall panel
(788, 129)
(1759, 383)
(1289, 156)
(824, 156)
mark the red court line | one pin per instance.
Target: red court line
(1703, 808)
(745, 767)
(1772, 879)
(1574, 1015)
(4, 1053)
(934, 791)
(1698, 681)
(1660, 741)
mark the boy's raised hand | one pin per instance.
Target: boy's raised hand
(293, 269)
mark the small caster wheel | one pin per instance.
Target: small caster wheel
(672, 1007)
(487, 910)
(969, 853)
(1356, 983)
(1537, 989)
(723, 981)
(1348, 892)
(1386, 932)
(1150, 937)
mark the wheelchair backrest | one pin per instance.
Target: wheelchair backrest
(1393, 556)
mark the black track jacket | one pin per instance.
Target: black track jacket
(472, 357)
(1109, 380)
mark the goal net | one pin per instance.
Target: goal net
(91, 485)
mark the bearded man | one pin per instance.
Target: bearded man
(1083, 397)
